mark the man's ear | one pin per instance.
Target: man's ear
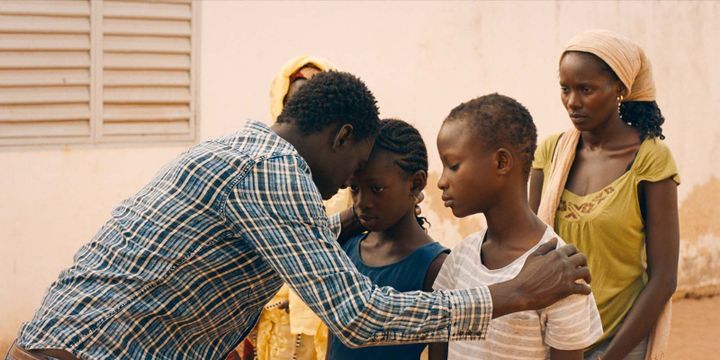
(419, 181)
(342, 136)
(504, 161)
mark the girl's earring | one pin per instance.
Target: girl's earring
(418, 198)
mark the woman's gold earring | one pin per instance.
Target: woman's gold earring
(619, 103)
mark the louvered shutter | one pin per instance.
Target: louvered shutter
(97, 71)
(147, 70)
(45, 72)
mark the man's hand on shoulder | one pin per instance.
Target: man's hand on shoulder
(549, 275)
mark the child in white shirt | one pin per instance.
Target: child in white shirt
(486, 146)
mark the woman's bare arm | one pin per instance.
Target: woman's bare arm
(662, 240)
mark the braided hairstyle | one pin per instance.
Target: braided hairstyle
(401, 138)
(500, 120)
(645, 116)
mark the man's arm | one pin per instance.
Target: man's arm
(436, 351)
(278, 209)
(548, 276)
(349, 225)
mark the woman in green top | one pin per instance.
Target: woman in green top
(618, 204)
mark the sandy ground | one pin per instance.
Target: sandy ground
(695, 333)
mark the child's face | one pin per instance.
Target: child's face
(468, 181)
(382, 192)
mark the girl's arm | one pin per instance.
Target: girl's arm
(436, 351)
(556, 354)
(536, 184)
(662, 239)
(350, 226)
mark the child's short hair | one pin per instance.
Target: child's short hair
(500, 121)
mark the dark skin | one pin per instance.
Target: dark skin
(333, 153)
(549, 274)
(605, 152)
(476, 179)
(384, 201)
(525, 292)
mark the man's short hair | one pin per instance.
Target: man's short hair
(333, 98)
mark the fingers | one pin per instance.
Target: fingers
(546, 247)
(582, 289)
(583, 273)
(578, 259)
(568, 250)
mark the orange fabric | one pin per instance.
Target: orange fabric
(624, 57)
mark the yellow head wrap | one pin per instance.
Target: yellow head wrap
(624, 57)
(281, 83)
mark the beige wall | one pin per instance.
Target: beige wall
(421, 59)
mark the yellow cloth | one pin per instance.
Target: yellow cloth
(607, 225)
(624, 57)
(297, 333)
(281, 83)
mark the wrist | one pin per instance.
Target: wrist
(348, 218)
(507, 299)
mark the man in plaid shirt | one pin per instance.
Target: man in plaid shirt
(182, 269)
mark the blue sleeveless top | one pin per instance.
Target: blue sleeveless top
(407, 274)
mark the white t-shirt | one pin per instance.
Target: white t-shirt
(570, 324)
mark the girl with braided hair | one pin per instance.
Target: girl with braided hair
(396, 250)
(609, 186)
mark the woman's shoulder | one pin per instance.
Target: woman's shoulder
(545, 150)
(655, 162)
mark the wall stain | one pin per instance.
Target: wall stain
(700, 211)
(699, 265)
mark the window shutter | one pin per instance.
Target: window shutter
(147, 74)
(45, 72)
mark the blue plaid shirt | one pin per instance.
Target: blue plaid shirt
(183, 268)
